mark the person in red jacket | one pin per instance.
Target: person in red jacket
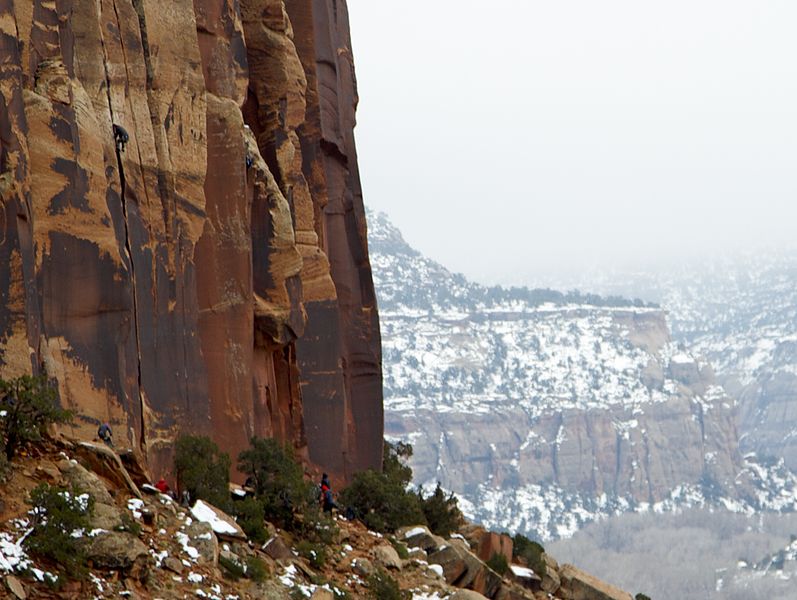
(162, 486)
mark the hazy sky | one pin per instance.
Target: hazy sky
(514, 139)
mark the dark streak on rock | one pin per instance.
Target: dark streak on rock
(80, 306)
(75, 193)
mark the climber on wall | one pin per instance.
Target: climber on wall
(121, 137)
(105, 434)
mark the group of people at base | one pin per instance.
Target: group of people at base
(326, 498)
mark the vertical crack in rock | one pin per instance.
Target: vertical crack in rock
(128, 248)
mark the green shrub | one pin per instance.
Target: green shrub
(381, 500)
(277, 478)
(249, 515)
(641, 597)
(394, 458)
(58, 519)
(231, 569)
(315, 525)
(382, 586)
(203, 470)
(498, 563)
(129, 524)
(531, 551)
(252, 568)
(256, 569)
(400, 547)
(442, 512)
(315, 553)
(29, 405)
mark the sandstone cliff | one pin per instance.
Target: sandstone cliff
(211, 275)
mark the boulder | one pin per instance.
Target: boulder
(550, 580)
(463, 569)
(149, 489)
(525, 577)
(118, 551)
(550, 562)
(387, 556)
(362, 566)
(272, 589)
(228, 554)
(106, 516)
(420, 537)
(417, 554)
(410, 530)
(136, 465)
(107, 464)
(322, 594)
(85, 480)
(173, 564)
(578, 585)
(436, 569)
(48, 471)
(466, 595)
(222, 524)
(278, 549)
(242, 549)
(495, 543)
(459, 543)
(515, 592)
(16, 588)
(472, 533)
(201, 537)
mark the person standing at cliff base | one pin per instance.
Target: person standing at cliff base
(162, 486)
(327, 500)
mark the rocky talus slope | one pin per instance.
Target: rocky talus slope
(142, 545)
(544, 410)
(182, 235)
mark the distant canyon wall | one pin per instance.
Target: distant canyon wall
(210, 273)
(630, 428)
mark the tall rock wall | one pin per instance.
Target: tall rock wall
(211, 275)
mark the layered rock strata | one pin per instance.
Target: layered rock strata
(206, 270)
(544, 411)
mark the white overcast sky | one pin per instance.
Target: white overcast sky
(516, 139)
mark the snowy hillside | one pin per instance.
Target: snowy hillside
(740, 314)
(545, 411)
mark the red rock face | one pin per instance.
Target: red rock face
(211, 277)
(324, 44)
(495, 543)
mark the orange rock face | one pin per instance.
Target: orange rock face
(210, 274)
(495, 543)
